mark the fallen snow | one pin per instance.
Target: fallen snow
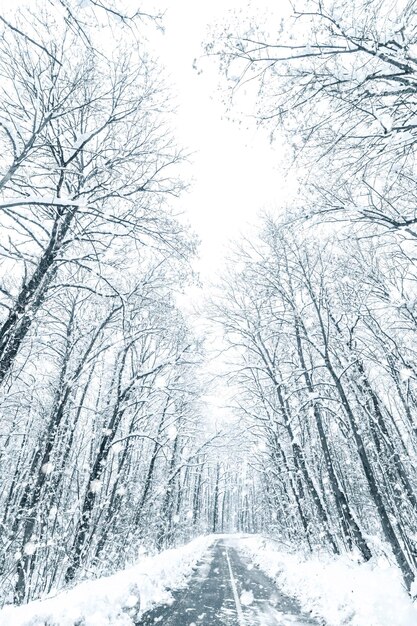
(336, 589)
(114, 600)
(246, 598)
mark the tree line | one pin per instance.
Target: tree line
(103, 450)
(319, 308)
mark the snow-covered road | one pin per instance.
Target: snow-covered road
(226, 590)
(229, 580)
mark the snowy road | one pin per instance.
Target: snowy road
(227, 591)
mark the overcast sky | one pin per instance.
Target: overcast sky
(235, 169)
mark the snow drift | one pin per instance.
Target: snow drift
(336, 589)
(116, 600)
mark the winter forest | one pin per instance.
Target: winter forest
(113, 346)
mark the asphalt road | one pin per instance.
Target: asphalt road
(226, 590)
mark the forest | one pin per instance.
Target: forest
(106, 440)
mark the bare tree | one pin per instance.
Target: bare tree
(341, 81)
(304, 358)
(84, 168)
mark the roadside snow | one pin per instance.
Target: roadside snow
(115, 600)
(335, 588)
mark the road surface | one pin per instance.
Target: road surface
(226, 590)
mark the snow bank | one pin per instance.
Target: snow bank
(337, 589)
(115, 600)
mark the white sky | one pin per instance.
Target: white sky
(235, 170)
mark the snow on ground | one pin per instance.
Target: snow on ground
(337, 589)
(113, 600)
